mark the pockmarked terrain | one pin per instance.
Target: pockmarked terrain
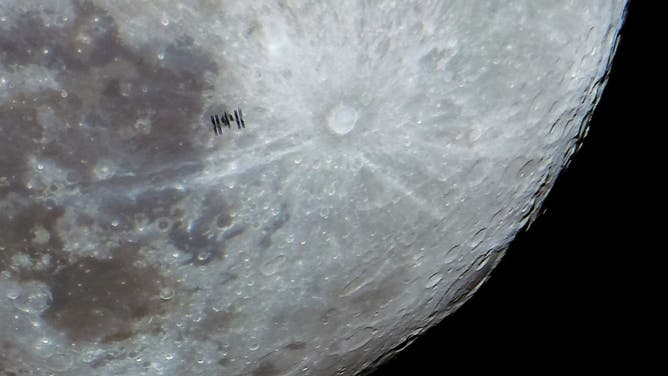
(393, 150)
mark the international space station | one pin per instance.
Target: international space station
(226, 119)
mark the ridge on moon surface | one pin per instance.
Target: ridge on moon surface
(396, 150)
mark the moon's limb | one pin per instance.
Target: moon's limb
(392, 153)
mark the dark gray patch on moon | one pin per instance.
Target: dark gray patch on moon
(157, 203)
(19, 136)
(199, 238)
(296, 346)
(273, 226)
(122, 105)
(216, 322)
(282, 362)
(98, 300)
(266, 368)
(117, 106)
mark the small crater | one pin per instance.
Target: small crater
(203, 257)
(520, 168)
(434, 280)
(272, 265)
(59, 362)
(224, 220)
(164, 224)
(527, 169)
(166, 293)
(478, 237)
(33, 299)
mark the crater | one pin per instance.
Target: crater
(342, 119)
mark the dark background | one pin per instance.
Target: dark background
(564, 296)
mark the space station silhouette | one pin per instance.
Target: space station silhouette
(225, 119)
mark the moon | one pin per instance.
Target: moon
(392, 151)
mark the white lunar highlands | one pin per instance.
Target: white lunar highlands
(392, 150)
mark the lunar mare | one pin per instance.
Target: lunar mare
(392, 151)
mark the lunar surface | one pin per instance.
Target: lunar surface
(392, 151)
